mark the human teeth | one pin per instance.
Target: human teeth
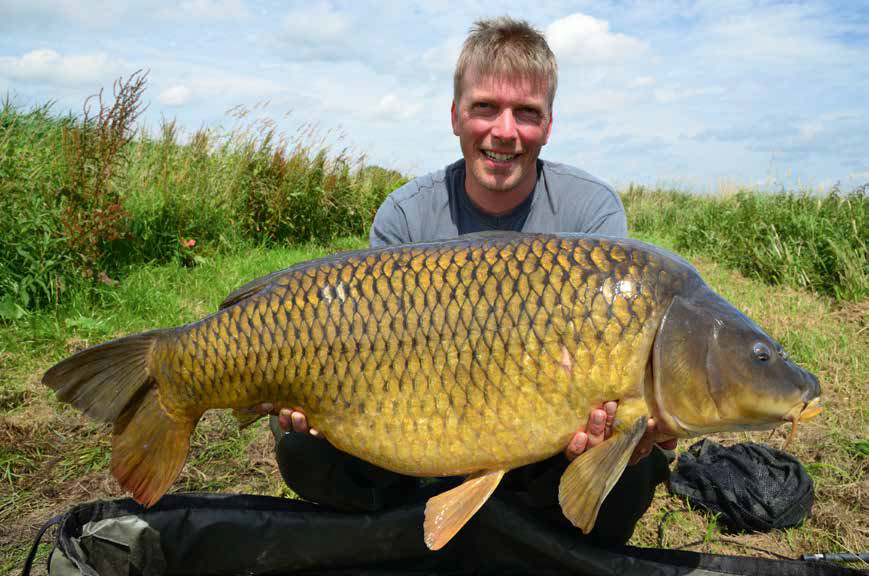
(499, 157)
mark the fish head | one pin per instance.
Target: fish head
(716, 370)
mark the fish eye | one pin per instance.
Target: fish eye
(761, 352)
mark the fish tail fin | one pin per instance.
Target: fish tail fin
(112, 382)
(104, 379)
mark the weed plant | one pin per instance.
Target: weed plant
(84, 200)
(816, 242)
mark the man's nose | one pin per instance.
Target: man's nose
(505, 126)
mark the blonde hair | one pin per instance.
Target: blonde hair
(504, 47)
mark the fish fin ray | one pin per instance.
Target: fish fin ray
(149, 447)
(495, 234)
(245, 417)
(253, 287)
(446, 513)
(590, 477)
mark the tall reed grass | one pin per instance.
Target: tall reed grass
(816, 242)
(85, 198)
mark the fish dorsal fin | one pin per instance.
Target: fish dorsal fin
(447, 512)
(590, 477)
(250, 289)
(494, 234)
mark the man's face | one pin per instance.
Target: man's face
(502, 123)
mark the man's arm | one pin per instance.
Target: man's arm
(604, 214)
(389, 226)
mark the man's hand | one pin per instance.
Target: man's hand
(294, 420)
(599, 428)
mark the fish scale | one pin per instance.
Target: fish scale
(467, 356)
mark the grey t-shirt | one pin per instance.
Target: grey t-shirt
(435, 206)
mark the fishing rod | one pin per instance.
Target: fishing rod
(831, 557)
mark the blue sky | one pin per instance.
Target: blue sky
(706, 95)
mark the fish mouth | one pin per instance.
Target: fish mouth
(800, 413)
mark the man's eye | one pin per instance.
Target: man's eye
(530, 114)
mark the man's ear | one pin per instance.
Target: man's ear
(549, 126)
(454, 117)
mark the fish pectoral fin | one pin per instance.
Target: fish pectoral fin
(590, 477)
(245, 417)
(447, 512)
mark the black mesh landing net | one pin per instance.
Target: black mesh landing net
(754, 487)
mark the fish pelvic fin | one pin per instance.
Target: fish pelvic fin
(245, 417)
(446, 513)
(149, 447)
(590, 477)
(113, 382)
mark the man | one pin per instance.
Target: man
(504, 86)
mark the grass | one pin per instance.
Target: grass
(51, 457)
(795, 239)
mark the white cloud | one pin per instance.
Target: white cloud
(174, 96)
(642, 82)
(18, 13)
(392, 107)
(48, 66)
(584, 38)
(809, 129)
(320, 33)
(668, 95)
(442, 57)
(208, 11)
(316, 23)
(220, 82)
(778, 38)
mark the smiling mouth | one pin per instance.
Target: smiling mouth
(499, 157)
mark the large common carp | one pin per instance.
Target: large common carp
(469, 356)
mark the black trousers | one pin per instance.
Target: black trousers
(319, 472)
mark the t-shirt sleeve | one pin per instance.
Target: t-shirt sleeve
(605, 215)
(389, 226)
(612, 222)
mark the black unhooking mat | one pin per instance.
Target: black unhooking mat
(186, 534)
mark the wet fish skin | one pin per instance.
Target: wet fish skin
(407, 356)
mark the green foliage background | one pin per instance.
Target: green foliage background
(817, 242)
(84, 200)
